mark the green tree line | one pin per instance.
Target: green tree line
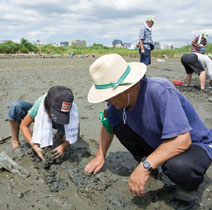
(14, 48)
(97, 49)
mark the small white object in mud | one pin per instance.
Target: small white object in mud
(160, 60)
(10, 165)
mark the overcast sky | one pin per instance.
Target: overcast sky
(102, 21)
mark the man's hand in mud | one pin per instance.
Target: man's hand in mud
(38, 150)
(95, 164)
(138, 179)
(58, 151)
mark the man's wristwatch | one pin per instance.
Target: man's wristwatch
(147, 165)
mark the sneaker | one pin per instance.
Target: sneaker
(183, 199)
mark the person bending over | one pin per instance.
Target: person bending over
(54, 109)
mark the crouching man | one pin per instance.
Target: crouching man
(155, 122)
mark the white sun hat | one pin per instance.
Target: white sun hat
(151, 18)
(112, 75)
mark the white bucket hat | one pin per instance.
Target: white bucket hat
(112, 75)
(151, 18)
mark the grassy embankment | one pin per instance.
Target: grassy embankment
(102, 50)
(177, 52)
(27, 47)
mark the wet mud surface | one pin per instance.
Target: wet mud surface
(62, 184)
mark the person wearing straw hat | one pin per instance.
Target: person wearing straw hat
(155, 122)
(54, 109)
(199, 43)
(145, 41)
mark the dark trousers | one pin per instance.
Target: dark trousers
(186, 169)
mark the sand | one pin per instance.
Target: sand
(63, 185)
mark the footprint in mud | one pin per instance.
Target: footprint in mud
(167, 69)
(83, 118)
(120, 163)
(89, 107)
(116, 202)
(210, 99)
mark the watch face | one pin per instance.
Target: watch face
(146, 164)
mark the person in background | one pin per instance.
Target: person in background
(155, 122)
(54, 109)
(199, 43)
(200, 64)
(145, 41)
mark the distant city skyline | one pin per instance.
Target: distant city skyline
(177, 22)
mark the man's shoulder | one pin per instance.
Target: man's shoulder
(158, 82)
(156, 86)
(142, 28)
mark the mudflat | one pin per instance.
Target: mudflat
(63, 184)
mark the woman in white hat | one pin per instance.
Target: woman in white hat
(155, 122)
(199, 43)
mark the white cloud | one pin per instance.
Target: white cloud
(181, 21)
(103, 20)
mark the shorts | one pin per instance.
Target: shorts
(191, 63)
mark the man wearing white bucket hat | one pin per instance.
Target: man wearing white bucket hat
(145, 41)
(155, 122)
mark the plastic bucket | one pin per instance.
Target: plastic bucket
(178, 82)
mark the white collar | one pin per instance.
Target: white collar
(147, 27)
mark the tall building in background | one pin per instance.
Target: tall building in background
(77, 43)
(64, 44)
(117, 43)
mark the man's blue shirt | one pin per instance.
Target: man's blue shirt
(162, 112)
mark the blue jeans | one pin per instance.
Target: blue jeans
(145, 58)
(19, 109)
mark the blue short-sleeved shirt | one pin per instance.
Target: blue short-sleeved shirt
(162, 112)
